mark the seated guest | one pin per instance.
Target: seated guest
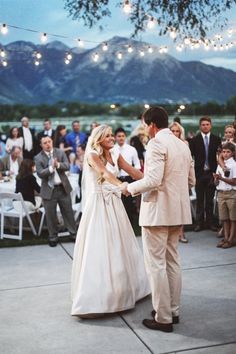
(47, 131)
(2, 147)
(76, 137)
(9, 165)
(74, 167)
(59, 140)
(27, 185)
(14, 140)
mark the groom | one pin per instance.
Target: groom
(165, 206)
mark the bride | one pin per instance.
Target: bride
(108, 273)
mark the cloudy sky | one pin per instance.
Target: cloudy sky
(51, 17)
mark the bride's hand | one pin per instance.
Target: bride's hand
(123, 187)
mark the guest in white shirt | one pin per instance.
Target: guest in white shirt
(226, 186)
(14, 140)
(28, 138)
(9, 165)
(130, 155)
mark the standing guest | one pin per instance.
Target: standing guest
(80, 152)
(226, 186)
(28, 138)
(138, 140)
(27, 185)
(59, 140)
(130, 155)
(2, 146)
(47, 131)
(178, 120)
(51, 165)
(9, 165)
(165, 207)
(229, 134)
(14, 139)
(76, 137)
(204, 147)
(177, 130)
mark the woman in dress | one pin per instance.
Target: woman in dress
(59, 140)
(178, 131)
(14, 140)
(108, 273)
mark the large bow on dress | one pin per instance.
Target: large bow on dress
(109, 191)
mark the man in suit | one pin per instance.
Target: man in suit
(51, 164)
(204, 147)
(28, 138)
(165, 206)
(10, 163)
(47, 131)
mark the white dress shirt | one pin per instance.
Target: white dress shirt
(57, 179)
(14, 166)
(28, 140)
(48, 132)
(231, 165)
(130, 155)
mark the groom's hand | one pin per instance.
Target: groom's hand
(123, 187)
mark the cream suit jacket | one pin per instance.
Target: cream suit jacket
(168, 174)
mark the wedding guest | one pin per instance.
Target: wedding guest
(27, 185)
(51, 165)
(2, 147)
(229, 134)
(80, 152)
(59, 140)
(28, 138)
(138, 140)
(177, 130)
(178, 120)
(76, 137)
(14, 139)
(10, 163)
(204, 148)
(47, 131)
(226, 185)
(74, 167)
(130, 155)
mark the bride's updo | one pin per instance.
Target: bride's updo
(98, 135)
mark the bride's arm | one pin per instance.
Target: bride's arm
(95, 162)
(133, 172)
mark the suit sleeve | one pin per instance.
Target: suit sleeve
(191, 176)
(155, 170)
(42, 172)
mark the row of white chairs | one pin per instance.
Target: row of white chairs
(7, 209)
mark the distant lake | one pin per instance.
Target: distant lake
(190, 123)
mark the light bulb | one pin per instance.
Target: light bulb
(130, 49)
(105, 47)
(151, 23)
(173, 34)
(230, 32)
(206, 46)
(179, 48)
(67, 61)
(182, 106)
(69, 56)
(127, 7)
(36, 63)
(221, 47)
(119, 55)
(4, 63)
(141, 53)
(38, 55)
(150, 50)
(2, 53)
(215, 48)
(80, 42)
(146, 106)
(187, 41)
(4, 29)
(95, 57)
(44, 37)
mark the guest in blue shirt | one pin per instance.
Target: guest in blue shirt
(76, 137)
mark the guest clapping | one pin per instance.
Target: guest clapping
(9, 164)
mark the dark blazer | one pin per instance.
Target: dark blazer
(42, 168)
(26, 186)
(5, 163)
(197, 148)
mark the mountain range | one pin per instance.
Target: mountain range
(153, 77)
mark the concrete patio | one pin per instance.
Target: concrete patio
(35, 306)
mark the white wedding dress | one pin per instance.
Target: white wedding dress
(108, 273)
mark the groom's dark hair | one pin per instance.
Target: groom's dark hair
(156, 115)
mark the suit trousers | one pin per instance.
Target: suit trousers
(59, 196)
(205, 191)
(162, 261)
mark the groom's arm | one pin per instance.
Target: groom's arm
(154, 171)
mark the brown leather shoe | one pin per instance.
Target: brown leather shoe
(163, 327)
(175, 319)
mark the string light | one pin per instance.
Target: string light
(179, 48)
(80, 42)
(146, 106)
(119, 55)
(44, 37)
(4, 63)
(150, 50)
(141, 53)
(127, 7)
(2, 53)
(38, 55)
(130, 49)
(95, 57)
(173, 34)
(69, 56)
(105, 47)
(67, 61)
(36, 62)
(187, 41)
(230, 32)
(151, 23)
(4, 28)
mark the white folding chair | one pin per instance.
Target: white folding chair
(7, 210)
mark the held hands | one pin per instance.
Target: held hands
(123, 187)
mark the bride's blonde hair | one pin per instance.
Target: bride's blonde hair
(97, 137)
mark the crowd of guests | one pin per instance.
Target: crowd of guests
(214, 161)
